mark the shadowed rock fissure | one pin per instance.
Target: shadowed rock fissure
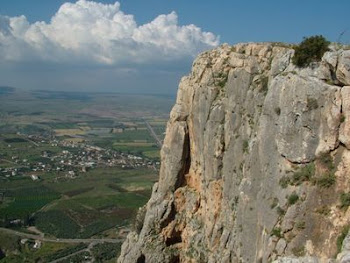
(141, 259)
(175, 259)
(171, 216)
(175, 238)
(186, 163)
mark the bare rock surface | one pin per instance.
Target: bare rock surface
(254, 163)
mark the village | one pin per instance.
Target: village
(74, 159)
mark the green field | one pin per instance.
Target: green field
(23, 202)
(96, 203)
(98, 200)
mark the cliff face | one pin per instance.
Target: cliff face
(255, 163)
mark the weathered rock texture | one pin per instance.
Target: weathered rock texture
(256, 157)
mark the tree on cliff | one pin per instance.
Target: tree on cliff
(311, 49)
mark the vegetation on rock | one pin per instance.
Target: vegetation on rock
(326, 180)
(344, 200)
(341, 238)
(293, 198)
(303, 174)
(327, 161)
(277, 232)
(311, 49)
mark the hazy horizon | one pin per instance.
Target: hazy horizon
(137, 47)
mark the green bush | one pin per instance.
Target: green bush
(305, 173)
(277, 232)
(309, 50)
(280, 211)
(341, 238)
(342, 118)
(327, 161)
(245, 146)
(344, 200)
(326, 180)
(293, 198)
(284, 181)
(221, 79)
(264, 81)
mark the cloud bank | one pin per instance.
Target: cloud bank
(100, 34)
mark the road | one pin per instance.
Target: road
(59, 240)
(154, 135)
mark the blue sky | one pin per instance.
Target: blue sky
(136, 54)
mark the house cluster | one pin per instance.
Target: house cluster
(75, 158)
(34, 244)
(8, 172)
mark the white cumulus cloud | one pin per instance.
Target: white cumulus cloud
(88, 31)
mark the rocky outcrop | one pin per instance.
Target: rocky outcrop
(255, 163)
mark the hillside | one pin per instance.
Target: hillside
(255, 163)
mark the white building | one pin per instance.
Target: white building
(34, 177)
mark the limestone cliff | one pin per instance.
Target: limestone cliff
(255, 163)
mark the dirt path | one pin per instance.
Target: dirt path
(35, 230)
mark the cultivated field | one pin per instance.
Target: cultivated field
(45, 138)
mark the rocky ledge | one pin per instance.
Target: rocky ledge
(255, 163)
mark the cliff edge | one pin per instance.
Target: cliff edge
(255, 163)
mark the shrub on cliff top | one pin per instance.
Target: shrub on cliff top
(309, 50)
